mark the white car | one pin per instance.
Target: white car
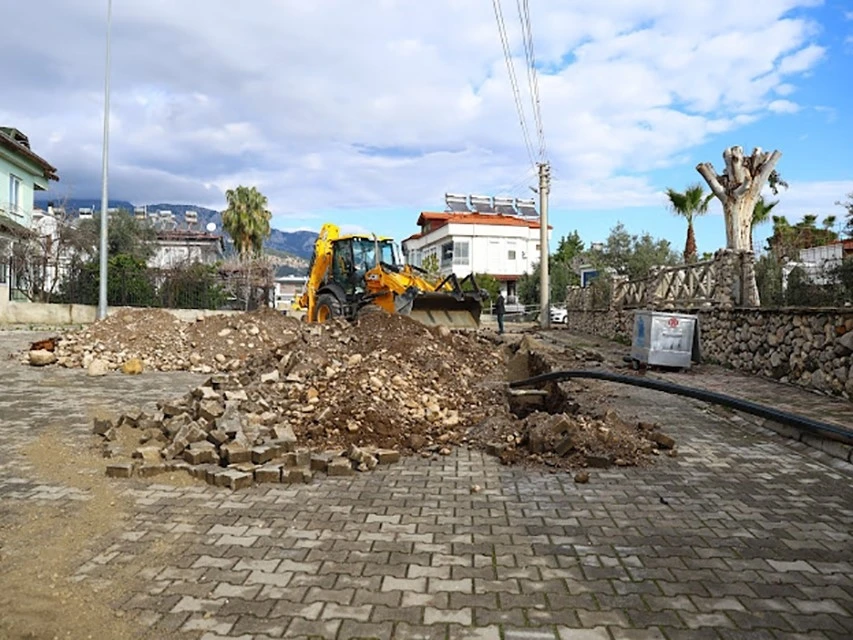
(559, 315)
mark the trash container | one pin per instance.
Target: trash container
(664, 339)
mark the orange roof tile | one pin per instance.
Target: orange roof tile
(447, 217)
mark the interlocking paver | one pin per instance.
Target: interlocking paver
(754, 539)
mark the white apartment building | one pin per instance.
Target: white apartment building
(502, 245)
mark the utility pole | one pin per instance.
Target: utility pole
(544, 281)
(105, 213)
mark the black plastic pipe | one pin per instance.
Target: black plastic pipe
(823, 429)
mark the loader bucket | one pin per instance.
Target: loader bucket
(445, 310)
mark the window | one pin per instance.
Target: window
(460, 253)
(510, 254)
(14, 192)
(446, 254)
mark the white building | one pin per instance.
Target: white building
(502, 245)
(179, 247)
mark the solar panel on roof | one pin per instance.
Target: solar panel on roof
(505, 206)
(482, 204)
(527, 208)
(456, 202)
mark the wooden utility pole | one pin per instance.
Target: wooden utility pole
(544, 280)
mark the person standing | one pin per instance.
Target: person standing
(500, 310)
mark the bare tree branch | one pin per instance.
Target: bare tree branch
(706, 170)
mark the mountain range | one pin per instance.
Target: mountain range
(297, 243)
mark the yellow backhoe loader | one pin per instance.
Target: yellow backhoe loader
(353, 274)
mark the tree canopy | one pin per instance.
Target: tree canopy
(632, 255)
(689, 204)
(247, 220)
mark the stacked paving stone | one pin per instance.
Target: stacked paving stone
(211, 438)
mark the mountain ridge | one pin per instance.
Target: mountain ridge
(298, 243)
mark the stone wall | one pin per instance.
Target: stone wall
(52, 314)
(808, 347)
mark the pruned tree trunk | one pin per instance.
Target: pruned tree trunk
(738, 188)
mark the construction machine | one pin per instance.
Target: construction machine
(353, 274)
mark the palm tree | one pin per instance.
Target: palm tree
(829, 222)
(246, 220)
(761, 213)
(693, 202)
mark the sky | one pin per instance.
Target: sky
(366, 113)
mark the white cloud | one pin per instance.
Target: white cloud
(783, 106)
(818, 198)
(335, 104)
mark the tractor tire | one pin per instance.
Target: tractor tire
(327, 307)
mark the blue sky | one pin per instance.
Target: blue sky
(367, 113)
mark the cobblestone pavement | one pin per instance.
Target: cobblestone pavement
(739, 536)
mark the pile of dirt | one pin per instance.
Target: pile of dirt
(162, 342)
(566, 441)
(385, 383)
(356, 391)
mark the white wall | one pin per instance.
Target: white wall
(489, 248)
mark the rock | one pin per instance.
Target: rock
(340, 466)
(148, 454)
(97, 367)
(582, 477)
(102, 425)
(149, 470)
(387, 456)
(475, 488)
(119, 470)
(268, 473)
(846, 342)
(663, 441)
(234, 452)
(272, 376)
(416, 442)
(41, 357)
(132, 367)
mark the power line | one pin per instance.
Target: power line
(532, 77)
(513, 80)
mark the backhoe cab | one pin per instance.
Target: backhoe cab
(354, 274)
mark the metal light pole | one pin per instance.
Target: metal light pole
(544, 280)
(102, 291)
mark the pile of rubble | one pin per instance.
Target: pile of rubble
(565, 441)
(162, 342)
(287, 399)
(336, 397)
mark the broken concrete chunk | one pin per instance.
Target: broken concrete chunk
(217, 437)
(200, 454)
(41, 357)
(234, 452)
(148, 454)
(102, 425)
(662, 440)
(170, 409)
(149, 470)
(299, 475)
(264, 453)
(272, 376)
(319, 462)
(210, 410)
(340, 467)
(387, 456)
(236, 395)
(97, 368)
(239, 480)
(268, 473)
(120, 470)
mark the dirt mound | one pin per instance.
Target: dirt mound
(165, 343)
(384, 383)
